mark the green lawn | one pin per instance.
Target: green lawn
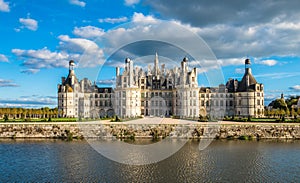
(263, 119)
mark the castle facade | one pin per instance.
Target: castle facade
(160, 92)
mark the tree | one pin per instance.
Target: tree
(5, 117)
(14, 112)
(287, 112)
(279, 104)
(1, 112)
(293, 113)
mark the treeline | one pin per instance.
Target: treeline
(24, 113)
(283, 107)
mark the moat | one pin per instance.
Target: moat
(222, 161)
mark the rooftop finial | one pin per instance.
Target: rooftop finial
(71, 65)
(156, 64)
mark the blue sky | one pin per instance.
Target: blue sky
(38, 38)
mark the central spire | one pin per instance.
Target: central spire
(156, 64)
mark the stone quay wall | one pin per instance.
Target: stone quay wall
(229, 131)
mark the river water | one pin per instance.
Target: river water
(222, 161)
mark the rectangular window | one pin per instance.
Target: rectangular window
(202, 102)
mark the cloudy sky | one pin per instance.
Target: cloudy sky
(38, 38)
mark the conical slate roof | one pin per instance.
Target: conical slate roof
(243, 83)
(68, 80)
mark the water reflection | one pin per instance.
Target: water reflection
(222, 161)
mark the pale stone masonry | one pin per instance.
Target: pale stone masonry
(83, 99)
(157, 92)
(237, 98)
(160, 92)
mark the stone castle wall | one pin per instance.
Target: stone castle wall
(64, 131)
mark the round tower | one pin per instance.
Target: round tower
(127, 60)
(71, 66)
(248, 66)
(185, 59)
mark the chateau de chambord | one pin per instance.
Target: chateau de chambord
(159, 91)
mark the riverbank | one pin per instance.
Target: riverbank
(151, 128)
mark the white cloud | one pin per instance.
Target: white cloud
(87, 52)
(84, 51)
(78, 3)
(3, 58)
(42, 58)
(7, 83)
(241, 28)
(268, 62)
(295, 88)
(270, 97)
(142, 27)
(88, 32)
(4, 6)
(239, 71)
(33, 101)
(278, 75)
(131, 2)
(77, 45)
(141, 18)
(113, 20)
(231, 61)
(109, 82)
(29, 23)
(30, 71)
(17, 29)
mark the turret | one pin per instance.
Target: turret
(71, 71)
(71, 66)
(184, 64)
(117, 71)
(248, 82)
(129, 70)
(156, 64)
(247, 71)
(248, 66)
